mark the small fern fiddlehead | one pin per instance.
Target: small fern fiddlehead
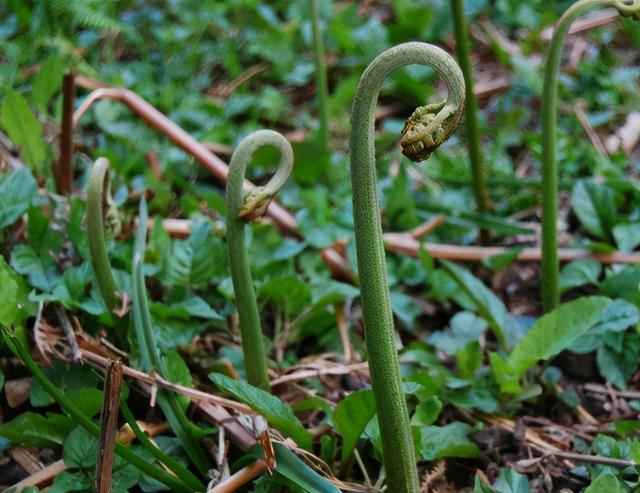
(240, 208)
(550, 264)
(426, 129)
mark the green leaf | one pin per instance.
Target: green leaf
(618, 316)
(500, 370)
(23, 128)
(447, 441)
(36, 430)
(618, 365)
(580, 273)
(605, 483)
(80, 449)
(555, 331)
(487, 303)
(41, 274)
(351, 417)
(509, 481)
(502, 260)
(624, 284)
(15, 306)
(465, 327)
(627, 236)
(17, 190)
(277, 413)
(198, 259)
(70, 481)
(593, 204)
(427, 411)
(288, 292)
(47, 82)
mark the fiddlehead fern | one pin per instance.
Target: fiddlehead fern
(102, 217)
(426, 129)
(550, 264)
(241, 207)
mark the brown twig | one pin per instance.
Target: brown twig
(182, 139)
(242, 477)
(157, 380)
(63, 168)
(108, 427)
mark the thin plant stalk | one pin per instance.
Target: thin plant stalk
(16, 347)
(427, 128)
(100, 206)
(63, 168)
(242, 207)
(322, 89)
(550, 265)
(150, 356)
(480, 190)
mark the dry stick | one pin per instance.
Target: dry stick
(182, 139)
(242, 477)
(108, 427)
(63, 168)
(157, 380)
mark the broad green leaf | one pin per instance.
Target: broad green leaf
(487, 303)
(70, 481)
(177, 371)
(464, 327)
(509, 481)
(605, 483)
(593, 204)
(41, 274)
(16, 192)
(80, 449)
(15, 306)
(624, 284)
(617, 317)
(47, 82)
(426, 412)
(627, 236)
(288, 292)
(191, 307)
(23, 128)
(198, 259)
(36, 430)
(618, 365)
(579, 273)
(500, 370)
(555, 331)
(447, 441)
(276, 412)
(351, 417)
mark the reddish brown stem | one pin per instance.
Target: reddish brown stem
(108, 427)
(63, 168)
(182, 139)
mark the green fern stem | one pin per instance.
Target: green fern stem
(425, 131)
(241, 207)
(100, 206)
(150, 355)
(471, 113)
(550, 264)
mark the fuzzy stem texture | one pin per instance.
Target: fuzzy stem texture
(239, 208)
(471, 113)
(399, 453)
(550, 264)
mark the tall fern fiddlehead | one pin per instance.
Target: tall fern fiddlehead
(550, 264)
(240, 208)
(426, 129)
(102, 217)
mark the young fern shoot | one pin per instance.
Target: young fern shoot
(426, 129)
(550, 264)
(240, 208)
(102, 216)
